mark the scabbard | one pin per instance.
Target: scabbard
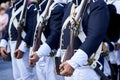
(100, 73)
(57, 63)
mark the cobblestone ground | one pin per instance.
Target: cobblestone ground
(6, 71)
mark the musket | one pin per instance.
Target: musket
(21, 23)
(41, 25)
(74, 29)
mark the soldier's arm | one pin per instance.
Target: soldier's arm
(55, 24)
(29, 28)
(55, 30)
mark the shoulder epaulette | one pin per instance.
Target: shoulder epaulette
(31, 5)
(58, 4)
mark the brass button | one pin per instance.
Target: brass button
(62, 45)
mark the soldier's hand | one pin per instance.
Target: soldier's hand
(33, 59)
(117, 46)
(66, 69)
(18, 54)
(3, 52)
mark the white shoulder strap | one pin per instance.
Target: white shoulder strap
(81, 35)
(13, 19)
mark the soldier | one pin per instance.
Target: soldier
(20, 55)
(94, 23)
(45, 65)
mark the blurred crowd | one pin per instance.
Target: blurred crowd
(4, 6)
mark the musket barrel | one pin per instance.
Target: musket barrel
(41, 25)
(81, 9)
(70, 49)
(21, 23)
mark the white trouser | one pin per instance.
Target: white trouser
(107, 70)
(45, 69)
(115, 57)
(118, 57)
(84, 73)
(21, 69)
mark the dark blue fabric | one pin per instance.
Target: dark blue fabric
(53, 29)
(42, 6)
(95, 24)
(31, 21)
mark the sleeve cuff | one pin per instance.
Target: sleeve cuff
(23, 47)
(79, 59)
(3, 43)
(44, 50)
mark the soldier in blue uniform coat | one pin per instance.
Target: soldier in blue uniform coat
(20, 65)
(94, 23)
(45, 63)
